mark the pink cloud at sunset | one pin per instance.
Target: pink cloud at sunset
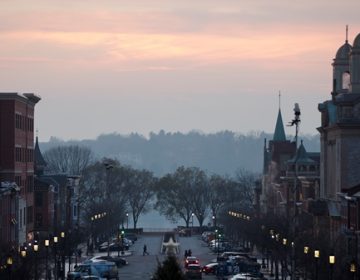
(187, 51)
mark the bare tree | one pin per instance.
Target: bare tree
(199, 193)
(103, 191)
(174, 196)
(182, 193)
(218, 193)
(70, 160)
(244, 187)
(140, 191)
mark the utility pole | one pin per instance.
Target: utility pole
(108, 167)
(296, 121)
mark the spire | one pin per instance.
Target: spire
(301, 156)
(279, 134)
(279, 99)
(347, 33)
(39, 162)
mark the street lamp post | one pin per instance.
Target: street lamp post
(296, 121)
(192, 220)
(127, 220)
(9, 262)
(214, 220)
(47, 243)
(217, 241)
(306, 252)
(331, 262)
(317, 256)
(62, 235)
(36, 249)
(108, 167)
(23, 256)
(353, 269)
(56, 240)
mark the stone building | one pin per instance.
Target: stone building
(340, 134)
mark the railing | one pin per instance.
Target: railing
(157, 230)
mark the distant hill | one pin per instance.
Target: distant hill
(222, 152)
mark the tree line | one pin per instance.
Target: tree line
(221, 153)
(108, 186)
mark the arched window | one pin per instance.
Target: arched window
(346, 80)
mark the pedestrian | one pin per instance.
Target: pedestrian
(186, 254)
(145, 252)
(189, 253)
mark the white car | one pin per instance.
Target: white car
(92, 277)
(244, 276)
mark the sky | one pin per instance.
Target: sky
(116, 66)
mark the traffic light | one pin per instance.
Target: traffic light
(122, 234)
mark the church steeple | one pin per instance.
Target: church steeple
(279, 134)
(39, 162)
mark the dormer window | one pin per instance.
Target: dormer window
(346, 80)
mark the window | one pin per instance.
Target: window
(30, 124)
(18, 121)
(18, 180)
(24, 216)
(23, 155)
(38, 199)
(29, 155)
(21, 218)
(346, 80)
(29, 214)
(29, 184)
(18, 154)
(38, 220)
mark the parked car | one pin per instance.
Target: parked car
(115, 259)
(185, 232)
(247, 276)
(114, 246)
(193, 271)
(100, 268)
(131, 236)
(191, 260)
(91, 277)
(210, 268)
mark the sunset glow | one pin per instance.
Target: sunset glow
(280, 44)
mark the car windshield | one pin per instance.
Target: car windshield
(81, 268)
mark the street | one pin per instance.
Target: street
(143, 267)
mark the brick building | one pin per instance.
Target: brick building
(16, 164)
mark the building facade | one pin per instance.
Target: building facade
(16, 162)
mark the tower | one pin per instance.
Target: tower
(340, 125)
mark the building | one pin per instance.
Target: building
(340, 128)
(56, 199)
(276, 154)
(16, 163)
(340, 153)
(340, 124)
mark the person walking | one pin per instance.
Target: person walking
(145, 252)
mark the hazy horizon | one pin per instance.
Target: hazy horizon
(140, 66)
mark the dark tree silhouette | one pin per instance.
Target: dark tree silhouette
(70, 160)
(169, 270)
